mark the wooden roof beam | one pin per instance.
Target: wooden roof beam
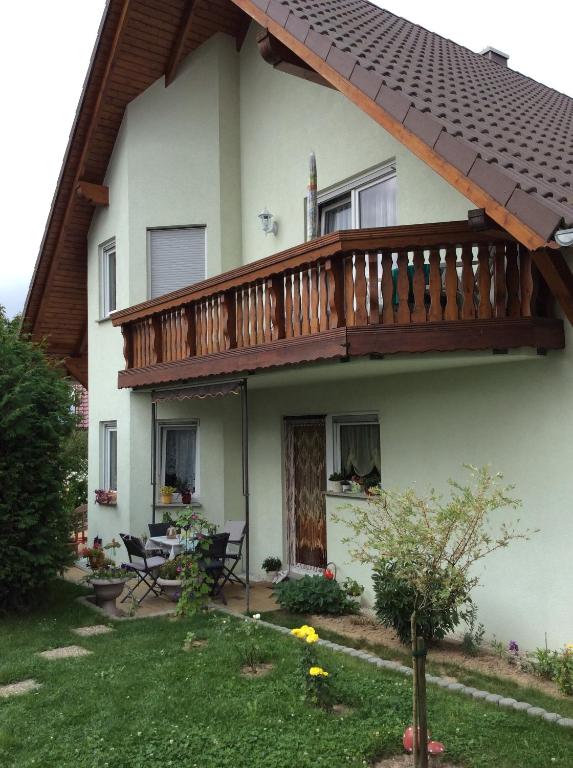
(557, 274)
(95, 194)
(179, 44)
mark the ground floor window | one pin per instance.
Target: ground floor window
(109, 456)
(178, 458)
(357, 446)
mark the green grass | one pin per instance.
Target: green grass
(141, 701)
(491, 683)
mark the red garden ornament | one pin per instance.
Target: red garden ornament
(330, 572)
(434, 747)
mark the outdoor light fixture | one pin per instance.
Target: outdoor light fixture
(564, 237)
(268, 225)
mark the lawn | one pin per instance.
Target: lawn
(140, 701)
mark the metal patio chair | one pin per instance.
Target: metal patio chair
(213, 563)
(237, 530)
(142, 566)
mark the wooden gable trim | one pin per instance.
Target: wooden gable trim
(179, 44)
(95, 194)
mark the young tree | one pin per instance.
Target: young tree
(36, 420)
(432, 545)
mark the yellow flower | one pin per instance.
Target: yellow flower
(313, 638)
(305, 633)
(317, 672)
(569, 646)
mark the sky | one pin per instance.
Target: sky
(43, 65)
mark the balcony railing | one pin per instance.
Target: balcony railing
(420, 288)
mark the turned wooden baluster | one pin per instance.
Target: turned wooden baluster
(305, 302)
(296, 305)
(209, 309)
(468, 283)
(526, 282)
(500, 290)
(373, 290)
(260, 314)
(313, 287)
(335, 282)
(155, 339)
(387, 289)
(288, 307)
(403, 314)
(275, 291)
(126, 332)
(512, 281)
(322, 299)
(349, 291)
(452, 311)
(484, 308)
(188, 330)
(436, 312)
(361, 313)
(246, 317)
(228, 321)
(239, 316)
(252, 315)
(419, 288)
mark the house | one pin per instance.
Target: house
(426, 326)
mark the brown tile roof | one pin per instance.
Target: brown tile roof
(501, 129)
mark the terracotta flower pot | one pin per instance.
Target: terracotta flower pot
(166, 498)
(171, 588)
(106, 593)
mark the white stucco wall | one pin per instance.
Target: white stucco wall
(228, 137)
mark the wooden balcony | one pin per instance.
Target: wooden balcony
(409, 289)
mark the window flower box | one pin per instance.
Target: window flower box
(106, 497)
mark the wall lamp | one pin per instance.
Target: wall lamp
(564, 237)
(269, 226)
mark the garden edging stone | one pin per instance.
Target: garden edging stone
(443, 682)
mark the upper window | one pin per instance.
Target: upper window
(367, 201)
(177, 258)
(108, 279)
(109, 456)
(357, 446)
(178, 458)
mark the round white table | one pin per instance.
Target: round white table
(172, 546)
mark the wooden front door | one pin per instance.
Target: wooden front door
(306, 483)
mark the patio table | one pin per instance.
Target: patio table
(172, 546)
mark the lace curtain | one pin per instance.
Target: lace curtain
(360, 448)
(180, 450)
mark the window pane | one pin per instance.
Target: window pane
(337, 217)
(111, 300)
(180, 451)
(378, 204)
(112, 459)
(360, 449)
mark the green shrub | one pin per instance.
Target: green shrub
(395, 599)
(314, 594)
(36, 422)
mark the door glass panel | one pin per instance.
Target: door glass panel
(336, 216)
(377, 204)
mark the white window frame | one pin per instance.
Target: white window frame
(162, 427)
(107, 428)
(350, 189)
(175, 226)
(333, 423)
(106, 249)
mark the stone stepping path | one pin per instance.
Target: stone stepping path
(17, 689)
(66, 652)
(92, 631)
(443, 682)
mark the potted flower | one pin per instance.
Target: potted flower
(169, 579)
(106, 497)
(95, 556)
(345, 486)
(272, 566)
(167, 492)
(185, 490)
(353, 589)
(107, 579)
(335, 482)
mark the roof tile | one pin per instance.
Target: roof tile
(341, 61)
(297, 27)
(319, 44)
(542, 218)
(369, 82)
(456, 151)
(493, 181)
(393, 102)
(278, 12)
(262, 4)
(423, 125)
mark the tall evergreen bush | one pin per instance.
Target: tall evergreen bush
(36, 421)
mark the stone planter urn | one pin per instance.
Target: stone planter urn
(171, 588)
(106, 593)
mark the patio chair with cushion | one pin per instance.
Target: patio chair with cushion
(213, 562)
(158, 529)
(142, 566)
(236, 530)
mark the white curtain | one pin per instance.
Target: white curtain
(360, 448)
(337, 218)
(378, 204)
(180, 449)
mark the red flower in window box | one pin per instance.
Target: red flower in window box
(328, 574)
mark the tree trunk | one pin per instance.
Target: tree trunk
(421, 703)
(415, 732)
